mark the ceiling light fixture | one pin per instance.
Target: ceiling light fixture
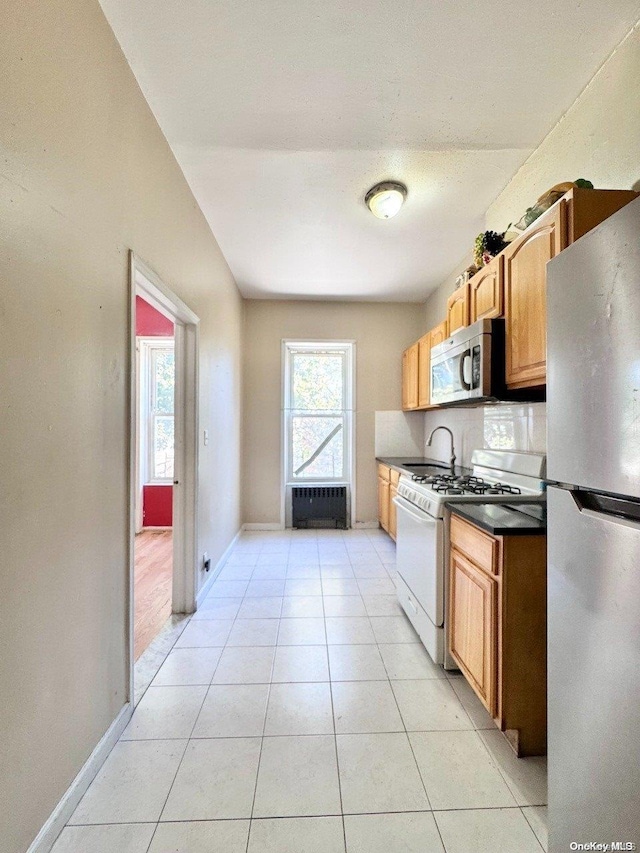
(385, 199)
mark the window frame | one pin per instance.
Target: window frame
(289, 349)
(148, 347)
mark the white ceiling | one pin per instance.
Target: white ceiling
(282, 113)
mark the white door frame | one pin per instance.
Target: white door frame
(144, 282)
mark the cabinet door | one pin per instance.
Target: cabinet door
(424, 371)
(439, 333)
(525, 286)
(383, 503)
(473, 627)
(486, 291)
(393, 525)
(458, 309)
(410, 377)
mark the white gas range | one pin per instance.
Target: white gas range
(422, 529)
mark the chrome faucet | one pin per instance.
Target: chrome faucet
(452, 460)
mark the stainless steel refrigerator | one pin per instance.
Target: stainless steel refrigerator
(593, 410)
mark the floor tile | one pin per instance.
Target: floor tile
(233, 710)
(123, 838)
(393, 833)
(245, 665)
(165, 712)
(486, 831)
(270, 572)
(378, 773)
(526, 777)
(206, 836)
(339, 586)
(204, 633)
(478, 714)
(236, 573)
(430, 705)
(382, 605)
(300, 663)
(302, 606)
(458, 772)
(344, 605)
(240, 557)
(393, 629)
(298, 776)
(260, 608)
(218, 608)
(365, 706)
(188, 666)
(299, 709)
(297, 835)
(376, 586)
(303, 586)
(304, 571)
(538, 821)
(329, 570)
(228, 589)
(356, 663)
(216, 780)
(262, 588)
(409, 660)
(370, 570)
(349, 630)
(254, 632)
(133, 783)
(301, 632)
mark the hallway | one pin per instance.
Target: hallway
(298, 713)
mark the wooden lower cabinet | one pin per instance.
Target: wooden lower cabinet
(497, 628)
(393, 522)
(383, 503)
(474, 627)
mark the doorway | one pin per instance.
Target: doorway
(163, 461)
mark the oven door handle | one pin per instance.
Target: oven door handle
(463, 358)
(423, 518)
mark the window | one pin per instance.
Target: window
(157, 378)
(317, 411)
(162, 380)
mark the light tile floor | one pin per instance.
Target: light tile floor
(298, 712)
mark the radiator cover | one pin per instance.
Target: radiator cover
(319, 506)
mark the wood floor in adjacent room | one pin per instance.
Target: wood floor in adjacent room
(153, 584)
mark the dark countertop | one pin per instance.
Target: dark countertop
(505, 519)
(404, 463)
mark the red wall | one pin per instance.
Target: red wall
(150, 322)
(157, 506)
(157, 501)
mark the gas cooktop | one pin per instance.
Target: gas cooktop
(450, 484)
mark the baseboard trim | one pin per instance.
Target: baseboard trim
(206, 586)
(59, 817)
(266, 525)
(152, 529)
(366, 525)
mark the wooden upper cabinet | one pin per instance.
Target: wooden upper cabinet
(473, 628)
(439, 334)
(424, 371)
(525, 292)
(410, 377)
(486, 291)
(458, 309)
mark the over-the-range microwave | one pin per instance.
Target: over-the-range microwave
(469, 367)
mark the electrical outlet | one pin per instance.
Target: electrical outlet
(205, 436)
(206, 562)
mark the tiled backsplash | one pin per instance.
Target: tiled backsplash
(399, 434)
(501, 426)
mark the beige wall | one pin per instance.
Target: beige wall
(381, 332)
(598, 138)
(85, 174)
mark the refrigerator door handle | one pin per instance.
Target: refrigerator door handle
(617, 510)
